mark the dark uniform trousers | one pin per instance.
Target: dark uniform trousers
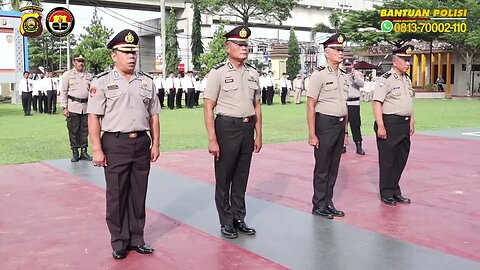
(190, 96)
(270, 94)
(355, 122)
(127, 178)
(51, 101)
(42, 102)
(35, 102)
(393, 153)
(26, 102)
(330, 131)
(264, 95)
(161, 96)
(77, 125)
(197, 97)
(179, 98)
(236, 142)
(171, 98)
(283, 96)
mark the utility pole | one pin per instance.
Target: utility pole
(163, 33)
(68, 41)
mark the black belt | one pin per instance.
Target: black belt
(81, 100)
(238, 119)
(339, 118)
(127, 135)
(353, 99)
(399, 117)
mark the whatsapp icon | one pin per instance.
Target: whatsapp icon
(387, 26)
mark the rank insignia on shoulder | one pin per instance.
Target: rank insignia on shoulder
(343, 71)
(101, 74)
(386, 75)
(145, 74)
(320, 68)
(217, 66)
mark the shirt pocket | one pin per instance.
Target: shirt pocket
(230, 87)
(146, 95)
(253, 88)
(113, 94)
(396, 92)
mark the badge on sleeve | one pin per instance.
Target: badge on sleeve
(93, 91)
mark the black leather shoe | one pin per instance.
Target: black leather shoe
(85, 155)
(75, 155)
(119, 254)
(228, 231)
(359, 148)
(142, 249)
(401, 199)
(389, 201)
(322, 211)
(335, 212)
(241, 226)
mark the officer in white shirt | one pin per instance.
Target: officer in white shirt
(263, 86)
(179, 87)
(170, 90)
(159, 83)
(283, 88)
(188, 83)
(269, 83)
(198, 89)
(49, 87)
(25, 89)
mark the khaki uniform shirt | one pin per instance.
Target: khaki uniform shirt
(235, 91)
(395, 92)
(125, 105)
(330, 89)
(297, 84)
(355, 82)
(77, 85)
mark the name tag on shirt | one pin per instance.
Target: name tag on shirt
(228, 80)
(329, 83)
(112, 87)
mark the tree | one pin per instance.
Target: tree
(334, 19)
(171, 44)
(45, 51)
(264, 10)
(197, 45)
(216, 50)
(92, 45)
(293, 61)
(15, 4)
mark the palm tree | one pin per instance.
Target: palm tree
(334, 19)
(17, 3)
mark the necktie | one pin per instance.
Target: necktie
(51, 82)
(28, 88)
(173, 83)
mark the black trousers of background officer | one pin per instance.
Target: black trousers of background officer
(161, 96)
(77, 125)
(330, 131)
(264, 95)
(355, 122)
(393, 153)
(270, 94)
(51, 101)
(179, 98)
(236, 141)
(42, 102)
(27, 102)
(127, 178)
(171, 98)
(197, 97)
(35, 102)
(190, 96)
(283, 96)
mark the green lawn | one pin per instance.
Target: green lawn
(42, 137)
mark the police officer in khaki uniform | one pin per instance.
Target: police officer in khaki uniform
(326, 117)
(394, 124)
(124, 105)
(74, 97)
(233, 93)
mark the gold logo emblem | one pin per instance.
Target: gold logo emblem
(243, 33)
(129, 38)
(340, 39)
(409, 50)
(31, 25)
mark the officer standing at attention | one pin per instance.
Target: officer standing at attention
(25, 89)
(234, 93)
(74, 97)
(124, 105)
(326, 117)
(394, 124)
(355, 82)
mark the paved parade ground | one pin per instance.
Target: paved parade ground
(53, 213)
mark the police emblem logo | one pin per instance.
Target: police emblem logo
(31, 25)
(340, 39)
(243, 33)
(60, 22)
(129, 38)
(409, 51)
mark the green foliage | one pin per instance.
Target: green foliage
(335, 20)
(197, 45)
(171, 44)
(93, 45)
(293, 61)
(16, 4)
(216, 50)
(265, 10)
(45, 51)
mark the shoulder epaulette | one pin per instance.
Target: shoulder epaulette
(145, 74)
(320, 68)
(406, 75)
(100, 74)
(219, 65)
(250, 65)
(386, 75)
(343, 71)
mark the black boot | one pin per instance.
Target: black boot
(359, 148)
(76, 156)
(85, 155)
(344, 150)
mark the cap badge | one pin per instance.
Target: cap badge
(243, 33)
(129, 38)
(340, 39)
(409, 50)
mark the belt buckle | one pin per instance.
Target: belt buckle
(406, 118)
(132, 135)
(340, 119)
(246, 119)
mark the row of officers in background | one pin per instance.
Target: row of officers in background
(39, 91)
